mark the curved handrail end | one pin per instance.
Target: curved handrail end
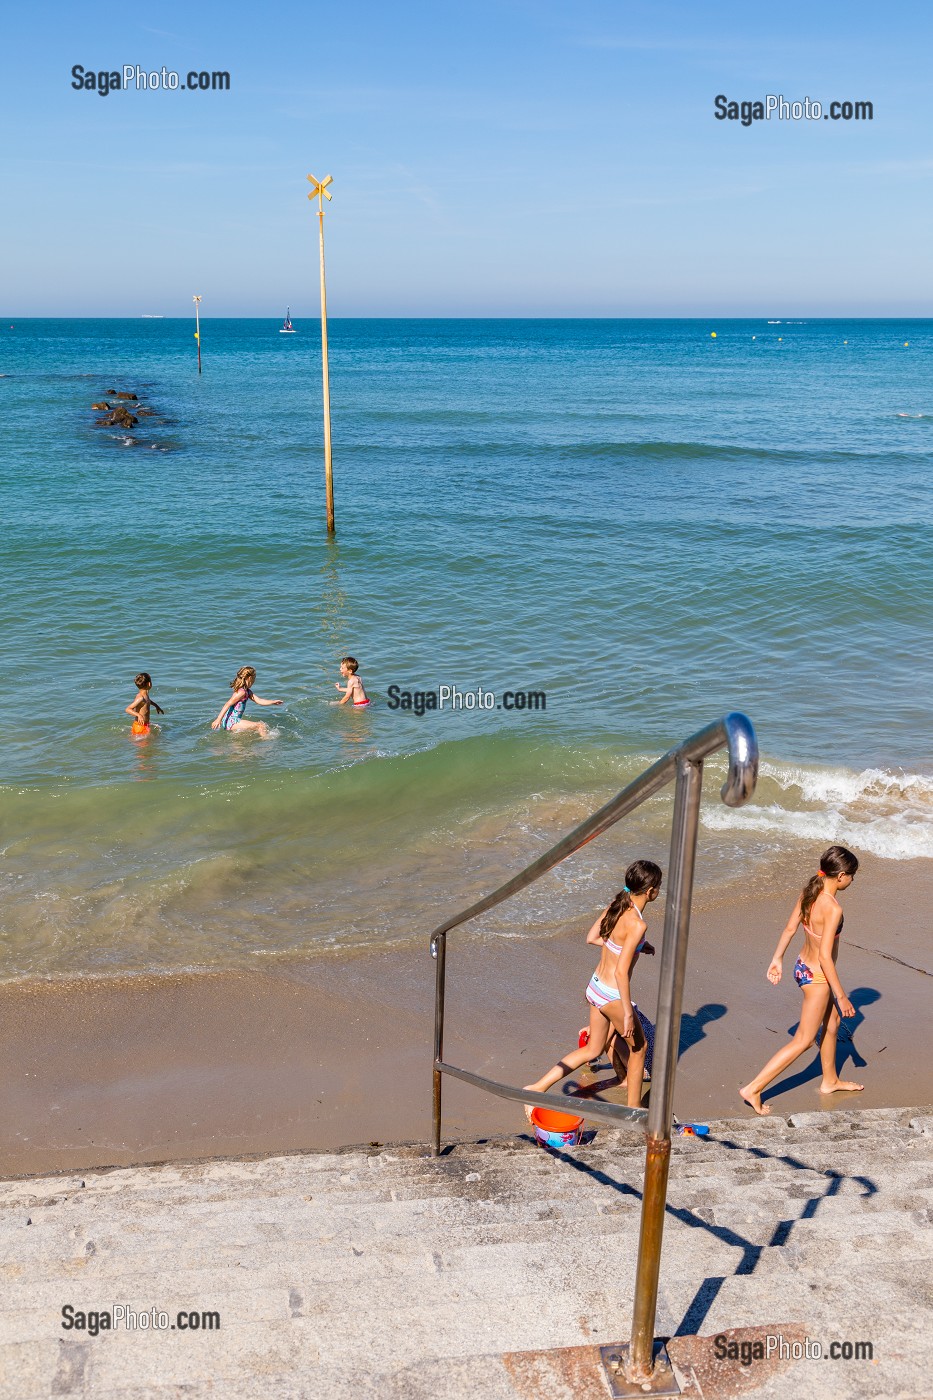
(743, 760)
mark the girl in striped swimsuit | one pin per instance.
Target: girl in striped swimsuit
(620, 933)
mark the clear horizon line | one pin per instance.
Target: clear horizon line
(651, 316)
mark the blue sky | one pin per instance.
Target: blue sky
(516, 158)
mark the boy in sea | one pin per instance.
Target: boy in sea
(139, 709)
(354, 688)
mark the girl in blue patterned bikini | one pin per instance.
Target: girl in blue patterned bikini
(620, 933)
(819, 914)
(231, 714)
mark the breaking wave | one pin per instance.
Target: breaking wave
(888, 814)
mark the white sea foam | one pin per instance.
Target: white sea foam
(887, 814)
(872, 788)
(892, 839)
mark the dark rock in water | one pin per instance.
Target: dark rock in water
(146, 412)
(110, 391)
(104, 406)
(121, 418)
(122, 395)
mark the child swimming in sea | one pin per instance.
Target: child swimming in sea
(231, 714)
(140, 707)
(354, 688)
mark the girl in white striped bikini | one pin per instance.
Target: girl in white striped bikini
(620, 932)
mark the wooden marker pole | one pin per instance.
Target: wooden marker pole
(320, 192)
(197, 327)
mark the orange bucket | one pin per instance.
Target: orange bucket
(556, 1129)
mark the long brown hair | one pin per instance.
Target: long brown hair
(641, 876)
(244, 677)
(837, 860)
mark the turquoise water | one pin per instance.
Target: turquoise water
(649, 524)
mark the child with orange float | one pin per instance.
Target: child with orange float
(140, 707)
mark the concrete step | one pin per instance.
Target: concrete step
(508, 1243)
(372, 1177)
(362, 1272)
(562, 1188)
(476, 1179)
(93, 1246)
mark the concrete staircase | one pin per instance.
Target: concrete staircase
(383, 1272)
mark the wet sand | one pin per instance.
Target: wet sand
(334, 1050)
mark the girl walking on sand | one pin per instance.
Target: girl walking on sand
(620, 934)
(819, 914)
(231, 714)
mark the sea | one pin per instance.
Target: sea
(648, 523)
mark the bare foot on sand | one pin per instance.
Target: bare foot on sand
(839, 1086)
(754, 1101)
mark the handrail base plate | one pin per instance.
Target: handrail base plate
(663, 1381)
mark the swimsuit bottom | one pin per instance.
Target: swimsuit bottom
(361, 702)
(139, 727)
(804, 975)
(600, 993)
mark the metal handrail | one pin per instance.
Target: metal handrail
(683, 764)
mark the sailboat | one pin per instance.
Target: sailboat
(288, 328)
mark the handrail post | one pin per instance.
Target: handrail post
(439, 951)
(667, 1038)
(685, 764)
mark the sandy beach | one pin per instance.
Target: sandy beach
(336, 1050)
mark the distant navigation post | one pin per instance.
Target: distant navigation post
(320, 192)
(197, 327)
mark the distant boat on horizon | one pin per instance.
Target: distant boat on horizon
(288, 328)
(150, 317)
